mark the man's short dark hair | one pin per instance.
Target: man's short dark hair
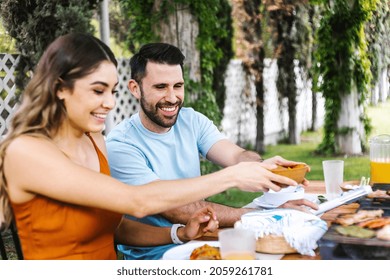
(155, 52)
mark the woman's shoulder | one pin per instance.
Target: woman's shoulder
(27, 158)
(29, 144)
(27, 139)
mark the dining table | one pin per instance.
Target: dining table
(314, 187)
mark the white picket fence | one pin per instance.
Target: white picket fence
(239, 122)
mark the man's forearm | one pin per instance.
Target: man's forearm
(226, 216)
(134, 233)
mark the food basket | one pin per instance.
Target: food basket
(274, 244)
(284, 231)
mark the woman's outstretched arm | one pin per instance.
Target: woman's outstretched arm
(36, 166)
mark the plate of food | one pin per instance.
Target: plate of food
(199, 250)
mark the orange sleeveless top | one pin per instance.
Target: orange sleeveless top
(51, 229)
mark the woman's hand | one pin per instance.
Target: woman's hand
(278, 160)
(256, 177)
(202, 221)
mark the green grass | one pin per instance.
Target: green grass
(354, 166)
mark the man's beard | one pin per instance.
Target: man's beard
(152, 112)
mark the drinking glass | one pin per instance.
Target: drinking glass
(333, 176)
(237, 244)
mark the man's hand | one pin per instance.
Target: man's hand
(300, 204)
(202, 221)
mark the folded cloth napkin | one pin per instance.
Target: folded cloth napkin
(301, 230)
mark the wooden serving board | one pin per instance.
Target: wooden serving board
(332, 235)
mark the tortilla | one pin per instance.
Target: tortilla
(355, 231)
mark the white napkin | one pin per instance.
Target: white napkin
(301, 230)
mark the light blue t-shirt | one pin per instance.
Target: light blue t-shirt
(138, 156)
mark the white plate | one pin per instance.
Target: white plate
(285, 194)
(259, 201)
(183, 252)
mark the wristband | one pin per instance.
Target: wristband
(174, 237)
